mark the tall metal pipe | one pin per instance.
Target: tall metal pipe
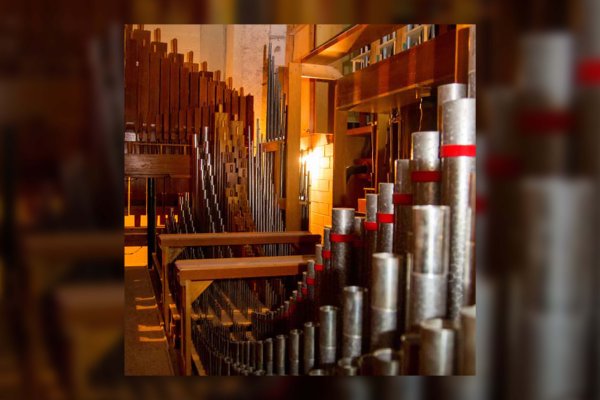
(385, 218)
(294, 352)
(328, 335)
(458, 166)
(326, 253)
(341, 251)
(448, 92)
(425, 167)
(352, 321)
(437, 355)
(309, 347)
(403, 202)
(429, 254)
(259, 356)
(310, 280)
(370, 240)
(384, 300)
(319, 276)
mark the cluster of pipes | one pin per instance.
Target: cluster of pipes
(264, 194)
(390, 293)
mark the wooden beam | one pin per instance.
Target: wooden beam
(237, 268)
(153, 165)
(400, 77)
(236, 238)
(292, 183)
(322, 72)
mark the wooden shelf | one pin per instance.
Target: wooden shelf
(347, 41)
(237, 238)
(402, 78)
(157, 165)
(361, 131)
(272, 146)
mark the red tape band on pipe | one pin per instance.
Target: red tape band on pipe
(403, 199)
(426, 176)
(370, 226)
(385, 218)
(326, 254)
(318, 267)
(310, 281)
(304, 291)
(341, 238)
(458, 150)
(588, 72)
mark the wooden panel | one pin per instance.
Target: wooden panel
(165, 76)
(141, 165)
(184, 88)
(237, 238)
(143, 81)
(360, 131)
(429, 64)
(154, 87)
(174, 86)
(243, 267)
(292, 186)
(131, 76)
(349, 40)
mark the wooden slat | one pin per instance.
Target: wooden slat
(243, 267)
(143, 81)
(131, 81)
(154, 87)
(152, 165)
(237, 238)
(360, 131)
(174, 86)
(165, 76)
(429, 64)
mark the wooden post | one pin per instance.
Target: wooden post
(292, 182)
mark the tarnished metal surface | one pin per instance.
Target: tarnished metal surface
(352, 321)
(341, 238)
(385, 218)
(425, 167)
(438, 349)
(384, 300)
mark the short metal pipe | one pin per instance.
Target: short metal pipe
(346, 367)
(309, 347)
(425, 167)
(448, 92)
(328, 335)
(386, 362)
(370, 240)
(384, 300)
(280, 355)
(268, 347)
(438, 338)
(294, 352)
(352, 321)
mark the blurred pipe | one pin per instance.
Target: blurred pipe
(384, 300)
(437, 355)
(410, 347)
(341, 238)
(326, 290)
(467, 342)
(425, 167)
(280, 355)
(358, 230)
(268, 347)
(458, 166)
(346, 367)
(352, 321)
(319, 276)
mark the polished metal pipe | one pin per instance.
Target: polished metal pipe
(386, 362)
(448, 92)
(280, 355)
(294, 352)
(402, 206)
(341, 251)
(309, 347)
(425, 167)
(319, 277)
(310, 279)
(370, 240)
(352, 321)
(259, 355)
(385, 218)
(429, 256)
(458, 166)
(328, 335)
(384, 300)
(437, 355)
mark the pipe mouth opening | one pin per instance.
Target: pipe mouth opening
(328, 308)
(439, 324)
(384, 256)
(354, 289)
(309, 324)
(386, 355)
(468, 312)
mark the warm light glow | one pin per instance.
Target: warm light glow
(313, 164)
(149, 328)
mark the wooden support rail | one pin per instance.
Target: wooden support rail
(172, 245)
(195, 276)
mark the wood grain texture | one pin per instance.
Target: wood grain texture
(237, 238)
(244, 267)
(153, 165)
